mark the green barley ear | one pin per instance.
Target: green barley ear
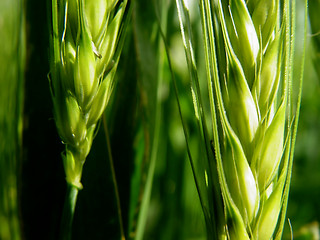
(265, 149)
(249, 53)
(81, 77)
(266, 102)
(86, 44)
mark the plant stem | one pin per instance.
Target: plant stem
(114, 178)
(68, 212)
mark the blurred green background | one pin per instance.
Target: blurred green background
(148, 145)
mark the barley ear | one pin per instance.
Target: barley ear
(86, 43)
(85, 40)
(249, 53)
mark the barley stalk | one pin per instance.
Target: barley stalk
(249, 50)
(86, 45)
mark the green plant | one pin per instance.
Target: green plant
(254, 110)
(12, 64)
(86, 43)
(156, 195)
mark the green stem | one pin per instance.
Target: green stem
(68, 212)
(114, 178)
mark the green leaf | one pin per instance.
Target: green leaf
(203, 167)
(147, 70)
(12, 75)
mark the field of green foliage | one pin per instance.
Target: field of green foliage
(137, 180)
